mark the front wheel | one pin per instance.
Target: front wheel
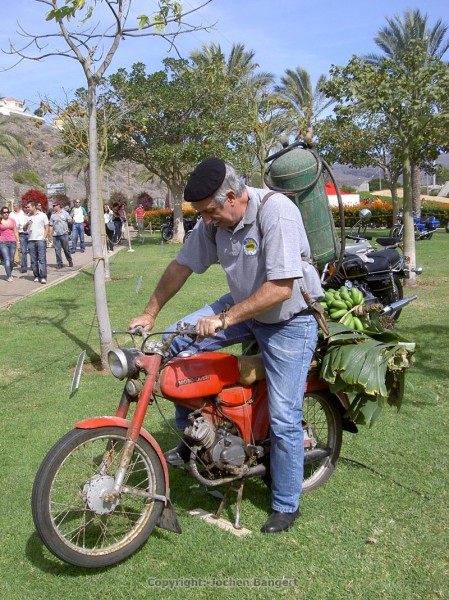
(71, 511)
(322, 437)
(167, 233)
(396, 232)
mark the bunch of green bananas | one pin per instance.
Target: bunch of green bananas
(338, 305)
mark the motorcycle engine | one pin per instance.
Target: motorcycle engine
(221, 448)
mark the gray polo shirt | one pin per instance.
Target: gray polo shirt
(250, 255)
(58, 221)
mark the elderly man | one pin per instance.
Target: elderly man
(59, 230)
(262, 246)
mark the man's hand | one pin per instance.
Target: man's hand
(146, 321)
(208, 326)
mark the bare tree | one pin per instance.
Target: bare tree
(90, 32)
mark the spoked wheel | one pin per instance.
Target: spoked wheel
(166, 233)
(396, 294)
(72, 512)
(396, 232)
(322, 438)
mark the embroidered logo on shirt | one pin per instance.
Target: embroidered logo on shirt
(250, 246)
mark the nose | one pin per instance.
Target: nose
(207, 219)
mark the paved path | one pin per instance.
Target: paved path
(24, 285)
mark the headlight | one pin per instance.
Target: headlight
(121, 362)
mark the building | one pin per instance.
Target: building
(12, 107)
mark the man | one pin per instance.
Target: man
(59, 231)
(21, 218)
(261, 251)
(37, 228)
(140, 216)
(79, 215)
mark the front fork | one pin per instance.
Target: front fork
(150, 365)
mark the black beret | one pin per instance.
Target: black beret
(205, 180)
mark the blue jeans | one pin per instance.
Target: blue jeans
(23, 237)
(287, 350)
(78, 230)
(8, 249)
(61, 242)
(38, 255)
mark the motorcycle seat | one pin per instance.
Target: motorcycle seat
(382, 260)
(387, 241)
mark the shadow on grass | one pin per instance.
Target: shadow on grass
(425, 355)
(37, 554)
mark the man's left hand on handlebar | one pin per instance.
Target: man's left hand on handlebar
(146, 321)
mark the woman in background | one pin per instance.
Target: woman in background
(9, 238)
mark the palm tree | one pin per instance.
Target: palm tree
(11, 144)
(305, 103)
(239, 63)
(263, 104)
(393, 39)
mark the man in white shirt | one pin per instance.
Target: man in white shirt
(37, 228)
(21, 218)
(78, 214)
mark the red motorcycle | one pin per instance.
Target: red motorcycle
(103, 487)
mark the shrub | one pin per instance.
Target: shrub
(28, 177)
(381, 210)
(36, 196)
(146, 200)
(158, 217)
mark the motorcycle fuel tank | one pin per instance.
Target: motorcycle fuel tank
(199, 375)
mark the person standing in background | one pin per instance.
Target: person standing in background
(59, 230)
(37, 228)
(109, 227)
(140, 216)
(20, 217)
(9, 238)
(79, 215)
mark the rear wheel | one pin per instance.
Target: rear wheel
(322, 438)
(397, 293)
(71, 511)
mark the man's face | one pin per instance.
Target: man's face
(224, 216)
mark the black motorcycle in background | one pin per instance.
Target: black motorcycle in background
(167, 227)
(378, 274)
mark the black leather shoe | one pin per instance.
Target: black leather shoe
(176, 457)
(279, 521)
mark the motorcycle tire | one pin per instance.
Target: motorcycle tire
(186, 236)
(427, 236)
(73, 520)
(322, 418)
(396, 294)
(396, 232)
(166, 233)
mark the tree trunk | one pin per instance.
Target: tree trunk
(409, 230)
(178, 224)
(104, 326)
(416, 189)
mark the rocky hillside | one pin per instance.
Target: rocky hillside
(42, 143)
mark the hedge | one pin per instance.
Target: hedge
(382, 213)
(157, 217)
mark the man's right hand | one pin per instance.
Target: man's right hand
(146, 321)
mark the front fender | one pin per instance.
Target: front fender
(95, 422)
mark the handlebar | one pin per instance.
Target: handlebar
(354, 236)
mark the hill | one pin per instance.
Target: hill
(42, 142)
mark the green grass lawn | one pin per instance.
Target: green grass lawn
(377, 530)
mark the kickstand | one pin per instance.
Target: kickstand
(234, 486)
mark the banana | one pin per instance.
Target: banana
(358, 324)
(338, 304)
(348, 321)
(335, 315)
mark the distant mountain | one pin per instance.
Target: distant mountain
(346, 175)
(42, 144)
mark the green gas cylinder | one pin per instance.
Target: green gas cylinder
(297, 173)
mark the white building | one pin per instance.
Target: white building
(11, 107)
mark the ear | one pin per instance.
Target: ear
(230, 195)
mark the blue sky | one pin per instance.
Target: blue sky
(313, 34)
